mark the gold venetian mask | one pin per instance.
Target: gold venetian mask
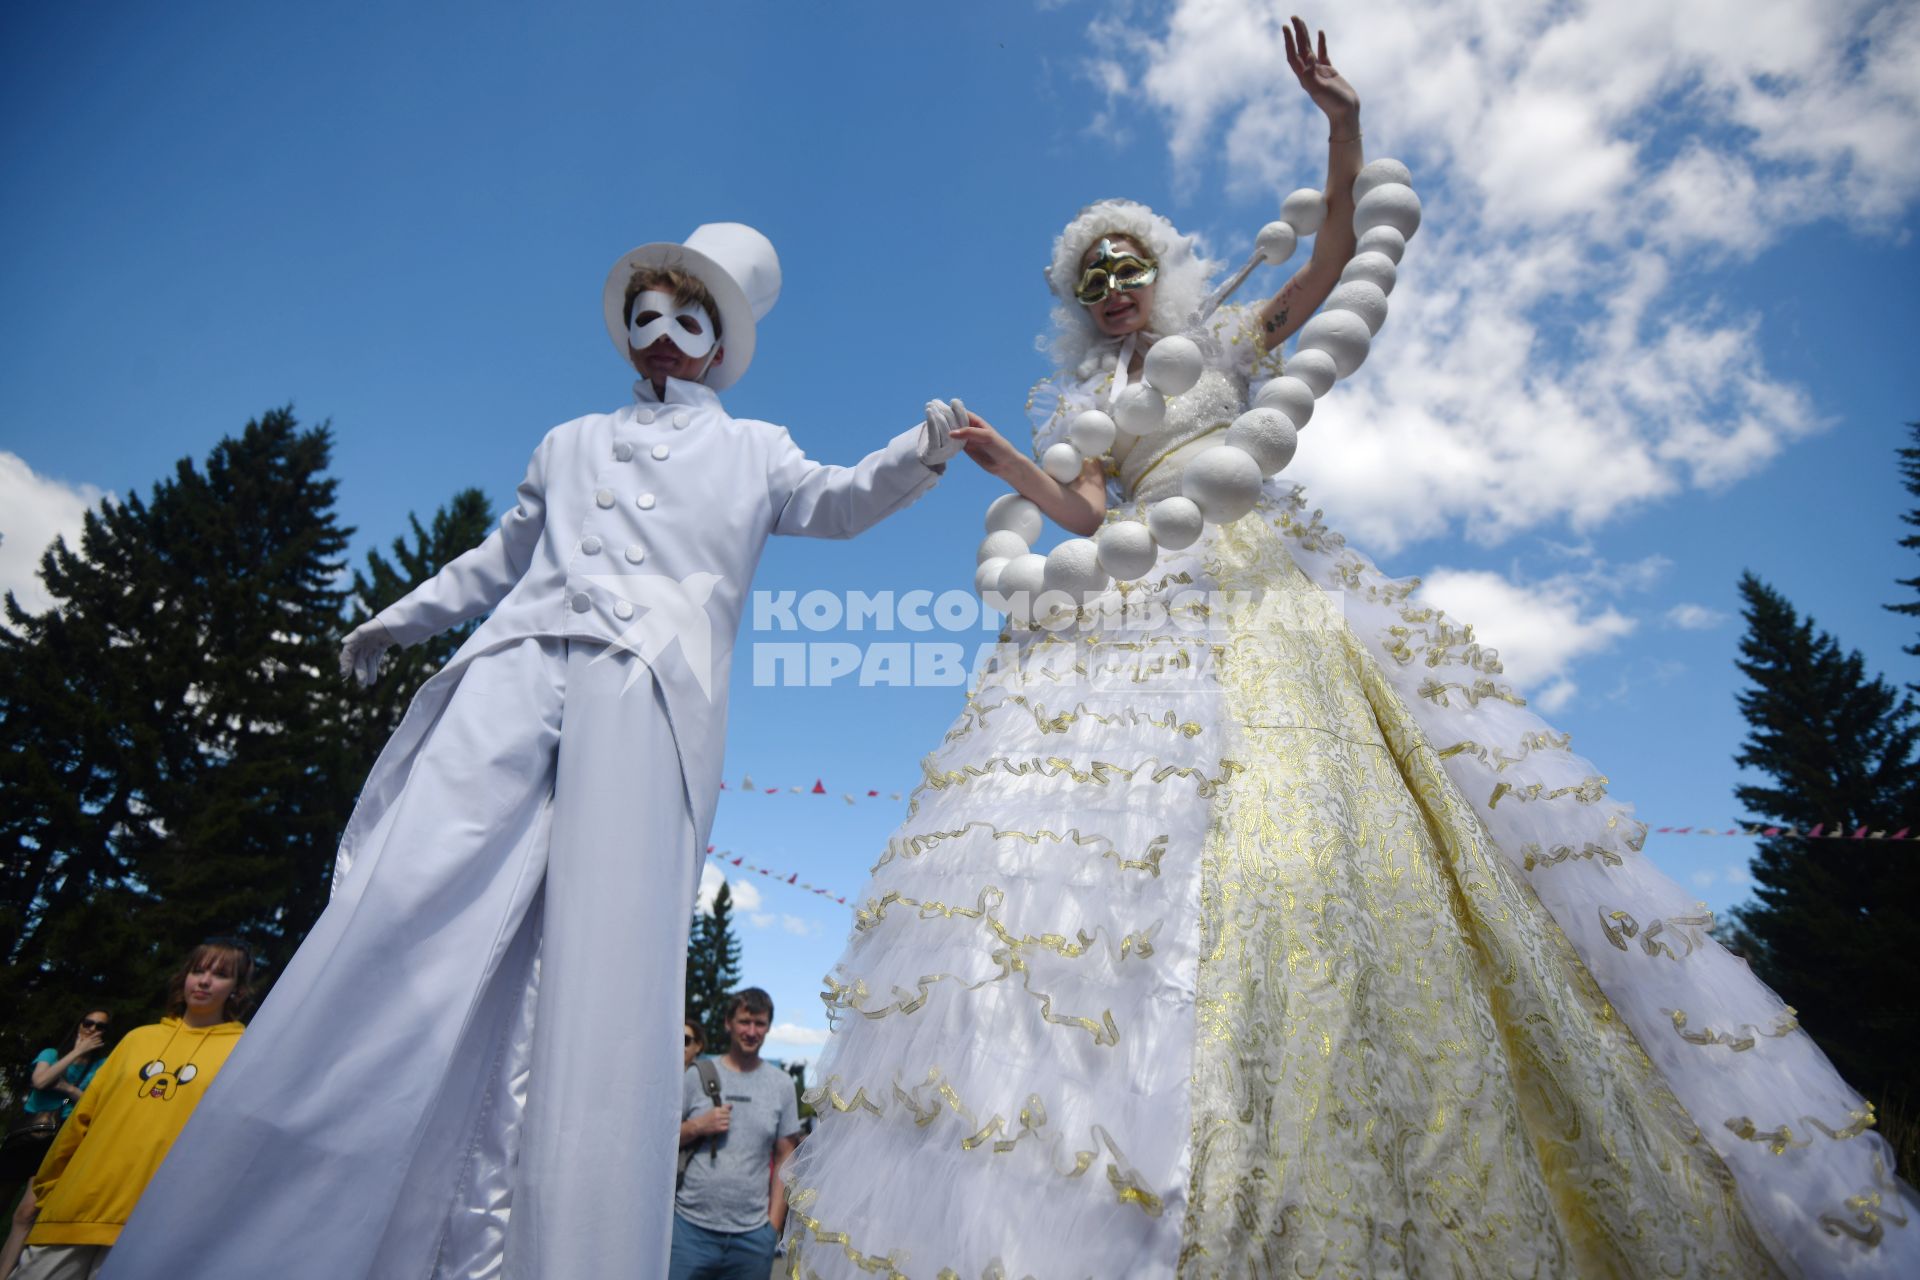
(1114, 267)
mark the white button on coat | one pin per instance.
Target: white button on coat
(591, 545)
(680, 420)
(644, 417)
(644, 502)
(635, 553)
(660, 453)
(622, 610)
(582, 602)
(603, 499)
(623, 452)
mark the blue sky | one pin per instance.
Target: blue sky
(1657, 327)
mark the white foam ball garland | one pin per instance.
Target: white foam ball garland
(1304, 209)
(1392, 205)
(1362, 297)
(1265, 435)
(1290, 396)
(986, 578)
(1126, 549)
(1175, 522)
(1378, 174)
(1020, 583)
(1139, 409)
(1173, 365)
(1342, 335)
(1074, 567)
(1063, 462)
(1015, 514)
(1315, 368)
(1004, 544)
(1092, 433)
(1375, 268)
(1382, 239)
(1276, 242)
(1223, 482)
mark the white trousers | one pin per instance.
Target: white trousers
(470, 1069)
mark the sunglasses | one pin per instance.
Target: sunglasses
(92, 1024)
(687, 1040)
(1114, 268)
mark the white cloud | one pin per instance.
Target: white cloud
(796, 925)
(792, 1033)
(37, 509)
(1736, 875)
(1694, 617)
(1539, 628)
(746, 894)
(1556, 352)
(1555, 696)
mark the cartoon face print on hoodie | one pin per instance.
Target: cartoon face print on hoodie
(156, 1081)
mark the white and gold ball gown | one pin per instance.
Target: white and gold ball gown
(1258, 928)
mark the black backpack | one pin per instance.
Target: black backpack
(710, 1083)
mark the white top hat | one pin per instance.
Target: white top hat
(739, 268)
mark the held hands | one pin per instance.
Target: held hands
(986, 446)
(1327, 87)
(937, 444)
(712, 1123)
(361, 651)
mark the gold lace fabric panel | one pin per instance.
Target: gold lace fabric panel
(1401, 1066)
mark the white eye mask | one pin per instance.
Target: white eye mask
(688, 327)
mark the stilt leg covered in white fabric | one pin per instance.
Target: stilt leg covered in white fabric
(323, 1112)
(594, 1196)
(508, 943)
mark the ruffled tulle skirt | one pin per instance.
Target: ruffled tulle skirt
(1253, 927)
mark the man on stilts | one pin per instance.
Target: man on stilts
(469, 1068)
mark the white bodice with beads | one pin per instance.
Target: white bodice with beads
(1144, 469)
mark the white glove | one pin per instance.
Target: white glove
(936, 435)
(361, 651)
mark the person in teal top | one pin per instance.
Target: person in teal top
(59, 1079)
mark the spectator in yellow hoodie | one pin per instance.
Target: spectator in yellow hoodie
(135, 1107)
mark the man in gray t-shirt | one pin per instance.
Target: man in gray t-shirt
(721, 1228)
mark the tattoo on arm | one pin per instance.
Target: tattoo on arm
(1277, 309)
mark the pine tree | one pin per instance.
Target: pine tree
(1910, 477)
(1832, 919)
(798, 1070)
(371, 715)
(168, 770)
(713, 968)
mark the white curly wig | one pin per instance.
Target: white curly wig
(1178, 292)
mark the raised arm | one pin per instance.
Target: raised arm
(1283, 314)
(46, 1074)
(1077, 507)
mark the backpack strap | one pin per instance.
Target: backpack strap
(710, 1085)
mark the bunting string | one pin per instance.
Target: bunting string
(1822, 831)
(727, 858)
(749, 787)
